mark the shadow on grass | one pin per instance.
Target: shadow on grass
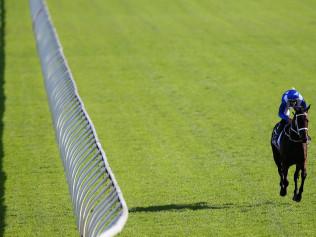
(2, 99)
(202, 206)
(178, 207)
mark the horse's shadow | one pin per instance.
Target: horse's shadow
(178, 207)
(201, 206)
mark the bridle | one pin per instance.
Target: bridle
(296, 129)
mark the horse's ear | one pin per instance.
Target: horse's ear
(306, 110)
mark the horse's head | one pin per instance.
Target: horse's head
(300, 123)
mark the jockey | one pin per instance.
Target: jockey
(290, 99)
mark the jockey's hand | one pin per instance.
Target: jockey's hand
(289, 120)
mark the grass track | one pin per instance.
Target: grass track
(184, 95)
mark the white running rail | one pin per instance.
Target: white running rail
(97, 199)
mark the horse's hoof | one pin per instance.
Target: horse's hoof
(282, 192)
(294, 197)
(297, 197)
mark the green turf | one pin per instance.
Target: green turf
(183, 95)
(33, 191)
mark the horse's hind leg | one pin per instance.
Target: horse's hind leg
(284, 181)
(277, 160)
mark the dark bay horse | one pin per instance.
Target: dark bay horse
(292, 150)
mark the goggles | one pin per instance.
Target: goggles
(293, 102)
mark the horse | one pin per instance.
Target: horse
(292, 150)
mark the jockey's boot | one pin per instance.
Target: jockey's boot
(275, 135)
(277, 132)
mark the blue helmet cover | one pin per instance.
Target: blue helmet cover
(292, 94)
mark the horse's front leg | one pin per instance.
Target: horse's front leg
(299, 195)
(296, 174)
(303, 174)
